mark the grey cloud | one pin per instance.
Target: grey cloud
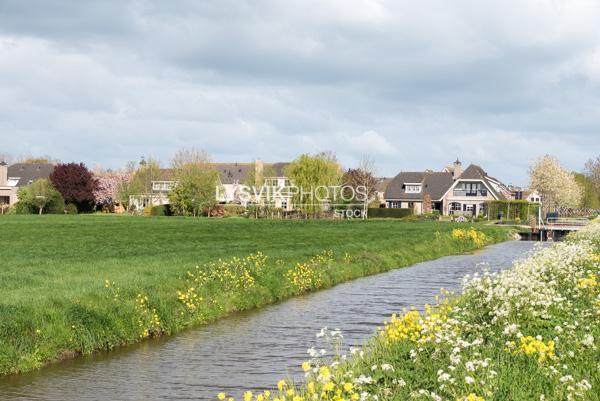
(416, 84)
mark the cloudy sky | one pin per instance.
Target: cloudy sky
(414, 84)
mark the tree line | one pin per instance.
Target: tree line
(72, 187)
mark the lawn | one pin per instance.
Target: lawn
(56, 301)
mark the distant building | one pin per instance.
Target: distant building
(233, 186)
(451, 191)
(19, 175)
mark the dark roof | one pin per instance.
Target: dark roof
(434, 183)
(474, 172)
(232, 173)
(437, 183)
(27, 173)
(279, 167)
(383, 182)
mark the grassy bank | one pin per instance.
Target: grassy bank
(528, 333)
(77, 284)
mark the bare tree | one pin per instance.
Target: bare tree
(592, 172)
(190, 157)
(362, 182)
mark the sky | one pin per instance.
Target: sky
(412, 84)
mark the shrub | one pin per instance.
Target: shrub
(161, 210)
(234, 210)
(148, 210)
(71, 208)
(38, 194)
(431, 216)
(389, 213)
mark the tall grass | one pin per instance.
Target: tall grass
(78, 284)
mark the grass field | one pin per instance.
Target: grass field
(527, 333)
(76, 284)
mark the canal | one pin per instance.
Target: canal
(251, 350)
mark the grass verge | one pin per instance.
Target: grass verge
(531, 332)
(78, 284)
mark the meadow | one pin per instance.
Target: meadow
(78, 284)
(530, 332)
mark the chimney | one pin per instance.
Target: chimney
(259, 167)
(457, 169)
(3, 173)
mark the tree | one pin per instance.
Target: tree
(590, 198)
(139, 180)
(314, 178)
(106, 194)
(557, 187)
(39, 197)
(190, 156)
(592, 172)
(30, 159)
(362, 183)
(75, 183)
(195, 190)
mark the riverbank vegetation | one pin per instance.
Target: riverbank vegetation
(81, 283)
(527, 333)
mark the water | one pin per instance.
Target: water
(255, 349)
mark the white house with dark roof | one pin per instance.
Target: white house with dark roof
(451, 191)
(19, 175)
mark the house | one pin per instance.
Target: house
(451, 191)
(19, 175)
(235, 185)
(531, 195)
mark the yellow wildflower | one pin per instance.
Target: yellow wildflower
(221, 396)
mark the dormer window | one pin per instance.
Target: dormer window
(412, 188)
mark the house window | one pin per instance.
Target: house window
(470, 189)
(455, 207)
(394, 205)
(412, 188)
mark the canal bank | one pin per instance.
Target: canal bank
(64, 298)
(253, 349)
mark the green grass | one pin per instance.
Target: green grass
(55, 303)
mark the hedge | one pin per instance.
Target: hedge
(518, 208)
(392, 213)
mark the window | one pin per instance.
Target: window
(470, 189)
(412, 188)
(394, 205)
(455, 207)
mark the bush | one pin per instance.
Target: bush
(30, 195)
(234, 210)
(434, 215)
(71, 208)
(161, 210)
(378, 213)
(148, 211)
